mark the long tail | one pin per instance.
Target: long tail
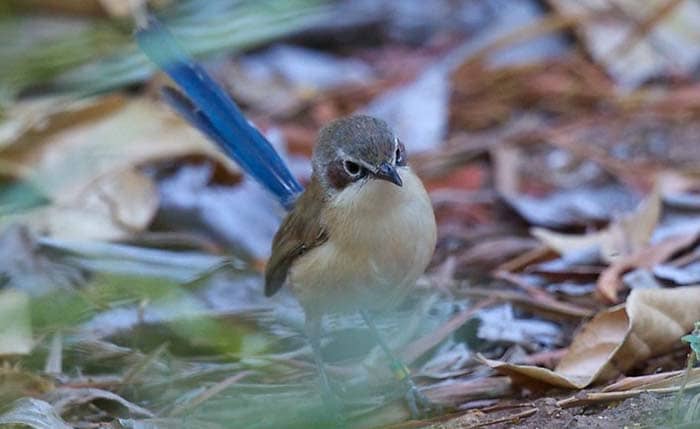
(206, 106)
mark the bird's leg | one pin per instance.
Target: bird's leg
(417, 402)
(330, 399)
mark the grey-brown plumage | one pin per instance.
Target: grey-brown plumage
(299, 233)
(356, 137)
(358, 237)
(381, 235)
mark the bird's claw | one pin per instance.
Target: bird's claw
(419, 404)
(335, 411)
(333, 404)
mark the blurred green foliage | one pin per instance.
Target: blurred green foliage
(86, 54)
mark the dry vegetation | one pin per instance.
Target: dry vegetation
(559, 146)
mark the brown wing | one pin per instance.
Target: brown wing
(300, 232)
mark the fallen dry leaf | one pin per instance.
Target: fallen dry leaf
(114, 205)
(622, 237)
(680, 188)
(630, 40)
(649, 324)
(567, 243)
(33, 413)
(36, 115)
(89, 168)
(610, 281)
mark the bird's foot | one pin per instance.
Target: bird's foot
(419, 404)
(333, 404)
(335, 411)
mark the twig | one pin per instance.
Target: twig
(643, 28)
(592, 398)
(547, 358)
(54, 361)
(538, 254)
(209, 393)
(549, 24)
(415, 349)
(679, 396)
(511, 418)
(533, 291)
(555, 307)
(135, 371)
(692, 408)
(648, 381)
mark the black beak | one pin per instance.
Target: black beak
(388, 172)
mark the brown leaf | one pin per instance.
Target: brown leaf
(626, 41)
(610, 281)
(617, 339)
(567, 243)
(623, 236)
(48, 113)
(89, 168)
(679, 188)
(113, 206)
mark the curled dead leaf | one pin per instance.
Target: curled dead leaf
(650, 323)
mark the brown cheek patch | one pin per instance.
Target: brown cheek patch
(336, 175)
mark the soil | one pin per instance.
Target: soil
(643, 411)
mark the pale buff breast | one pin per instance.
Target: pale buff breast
(380, 240)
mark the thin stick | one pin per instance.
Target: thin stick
(210, 392)
(592, 398)
(679, 396)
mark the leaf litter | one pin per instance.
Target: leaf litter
(565, 188)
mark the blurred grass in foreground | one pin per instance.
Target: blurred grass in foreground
(48, 50)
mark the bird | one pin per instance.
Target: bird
(356, 239)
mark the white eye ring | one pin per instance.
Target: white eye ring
(352, 168)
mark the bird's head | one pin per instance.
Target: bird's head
(357, 149)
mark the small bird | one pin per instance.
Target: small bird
(356, 239)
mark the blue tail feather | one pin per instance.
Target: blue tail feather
(207, 107)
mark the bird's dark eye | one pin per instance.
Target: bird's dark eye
(400, 158)
(352, 168)
(340, 174)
